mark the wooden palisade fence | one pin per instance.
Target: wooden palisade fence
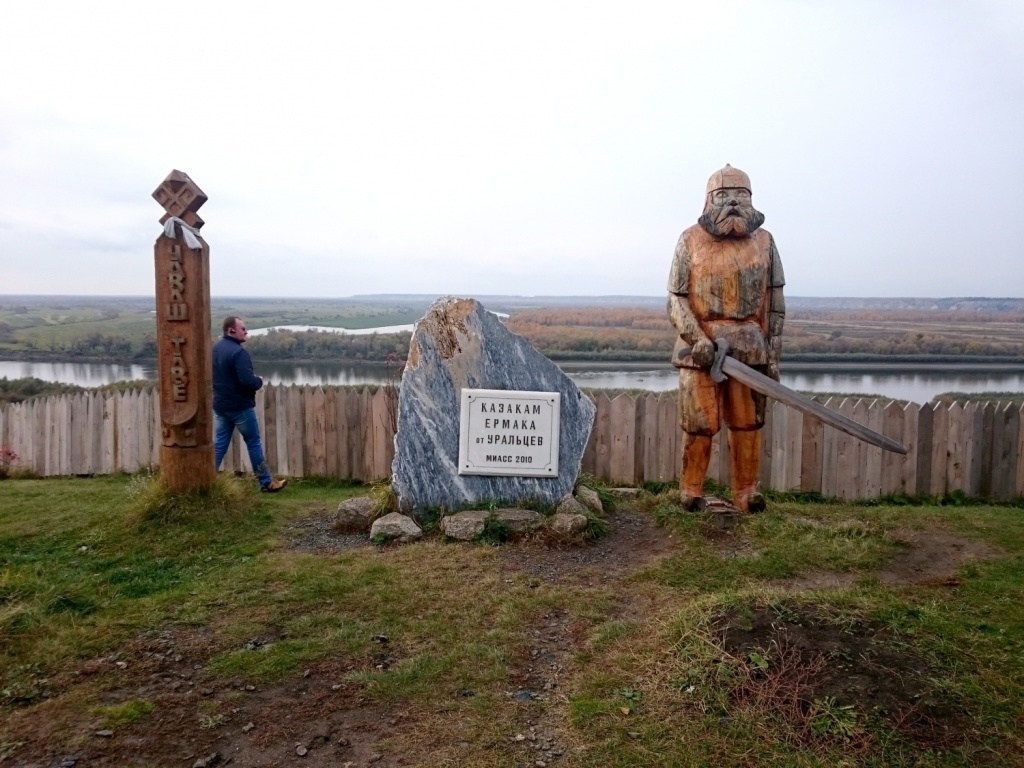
(977, 448)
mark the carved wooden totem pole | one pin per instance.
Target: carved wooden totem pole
(183, 338)
(725, 286)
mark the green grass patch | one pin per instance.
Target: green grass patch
(712, 655)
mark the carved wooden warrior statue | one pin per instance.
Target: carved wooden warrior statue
(726, 283)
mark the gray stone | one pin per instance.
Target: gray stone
(354, 515)
(568, 524)
(570, 505)
(457, 345)
(396, 527)
(464, 526)
(589, 497)
(518, 521)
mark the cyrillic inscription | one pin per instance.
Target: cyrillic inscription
(525, 421)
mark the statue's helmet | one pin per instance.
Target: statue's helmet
(728, 178)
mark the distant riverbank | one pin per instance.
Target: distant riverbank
(916, 383)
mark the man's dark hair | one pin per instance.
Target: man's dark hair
(229, 323)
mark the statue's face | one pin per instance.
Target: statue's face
(729, 213)
(732, 196)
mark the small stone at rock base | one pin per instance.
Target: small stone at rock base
(589, 497)
(568, 524)
(248, 727)
(518, 521)
(625, 493)
(464, 526)
(633, 734)
(301, 751)
(570, 505)
(105, 733)
(354, 515)
(396, 526)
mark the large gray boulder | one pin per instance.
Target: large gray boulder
(458, 344)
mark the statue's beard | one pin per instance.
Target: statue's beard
(731, 220)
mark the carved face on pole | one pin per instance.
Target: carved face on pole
(728, 211)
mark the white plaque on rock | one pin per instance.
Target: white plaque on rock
(506, 432)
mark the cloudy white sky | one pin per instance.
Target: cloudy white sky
(528, 148)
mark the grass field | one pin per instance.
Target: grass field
(816, 634)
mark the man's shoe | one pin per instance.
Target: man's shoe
(274, 486)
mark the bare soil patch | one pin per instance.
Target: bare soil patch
(633, 542)
(803, 659)
(315, 534)
(930, 558)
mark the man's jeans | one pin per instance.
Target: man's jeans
(249, 428)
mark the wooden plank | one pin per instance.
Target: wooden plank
(650, 438)
(908, 478)
(970, 431)
(776, 443)
(830, 455)
(848, 470)
(988, 411)
(811, 445)
(588, 463)
(764, 470)
(383, 437)
(1018, 490)
(356, 438)
(130, 441)
(940, 439)
(52, 437)
(366, 434)
(342, 429)
(623, 441)
(794, 448)
(871, 455)
(1004, 456)
(893, 464)
(296, 430)
(331, 432)
(144, 408)
(111, 435)
(284, 464)
(955, 448)
(602, 427)
(670, 437)
(268, 421)
(923, 448)
(316, 431)
(64, 436)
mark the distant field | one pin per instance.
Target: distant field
(611, 328)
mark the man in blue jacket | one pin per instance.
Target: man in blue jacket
(234, 401)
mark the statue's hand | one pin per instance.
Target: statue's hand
(773, 370)
(703, 352)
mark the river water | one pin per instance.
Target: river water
(915, 383)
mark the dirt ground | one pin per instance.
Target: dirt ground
(317, 719)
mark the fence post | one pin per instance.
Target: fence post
(893, 464)
(602, 438)
(957, 460)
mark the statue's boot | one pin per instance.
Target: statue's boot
(744, 460)
(696, 456)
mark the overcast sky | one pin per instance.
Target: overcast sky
(475, 148)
